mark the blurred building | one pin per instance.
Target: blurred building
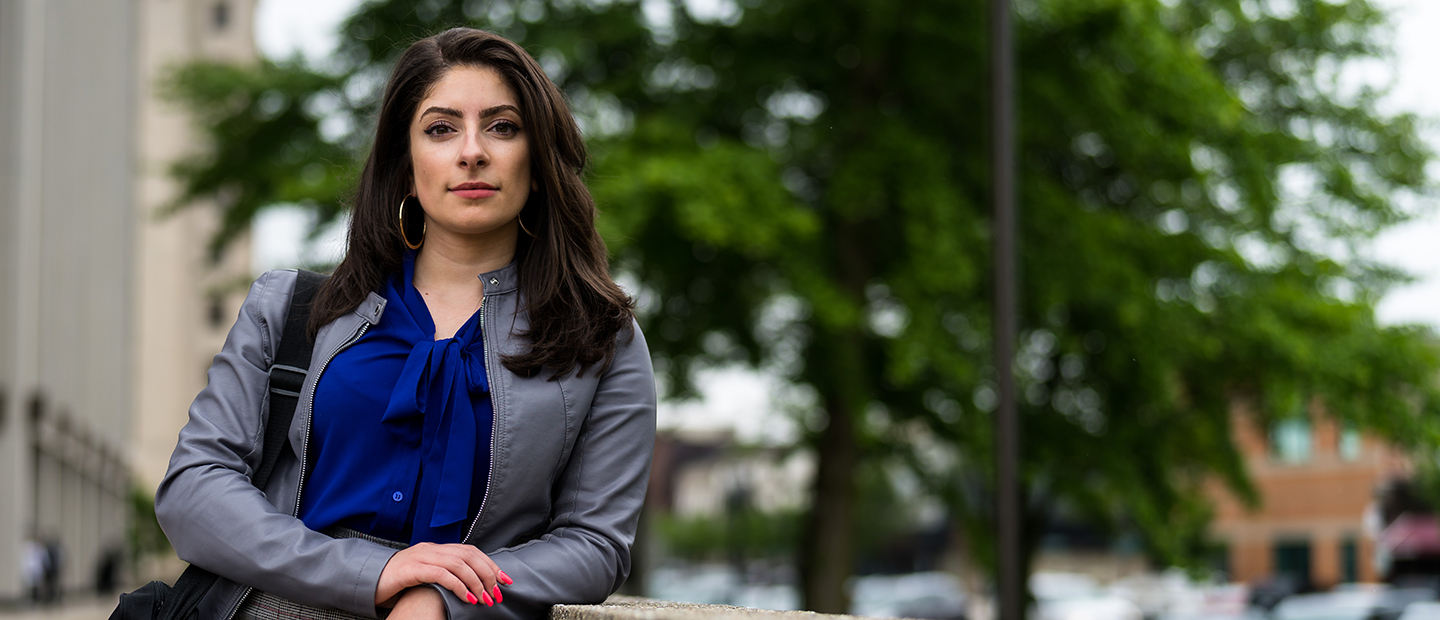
(108, 314)
(709, 475)
(184, 302)
(700, 473)
(1318, 518)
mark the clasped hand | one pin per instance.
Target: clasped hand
(459, 568)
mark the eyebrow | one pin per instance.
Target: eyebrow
(492, 111)
(487, 112)
(446, 111)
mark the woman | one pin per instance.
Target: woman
(501, 426)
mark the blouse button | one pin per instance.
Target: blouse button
(397, 496)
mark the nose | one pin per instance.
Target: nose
(472, 151)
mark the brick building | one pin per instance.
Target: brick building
(1318, 519)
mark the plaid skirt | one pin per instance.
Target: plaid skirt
(260, 605)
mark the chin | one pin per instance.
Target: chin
(479, 229)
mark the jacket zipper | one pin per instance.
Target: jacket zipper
(309, 407)
(494, 407)
(305, 447)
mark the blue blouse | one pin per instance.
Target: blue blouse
(400, 431)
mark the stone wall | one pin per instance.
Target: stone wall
(635, 608)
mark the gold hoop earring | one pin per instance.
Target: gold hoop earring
(521, 220)
(403, 236)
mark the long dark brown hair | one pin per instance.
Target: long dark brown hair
(575, 308)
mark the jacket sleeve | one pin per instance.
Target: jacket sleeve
(212, 514)
(585, 555)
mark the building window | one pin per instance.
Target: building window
(220, 15)
(216, 311)
(1349, 443)
(1292, 559)
(1349, 569)
(1291, 441)
(1217, 559)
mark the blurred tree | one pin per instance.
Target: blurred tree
(143, 536)
(708, 538)
(801, 184)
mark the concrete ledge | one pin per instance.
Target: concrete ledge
(635, 608)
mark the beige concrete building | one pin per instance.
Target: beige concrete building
(108, 315)
(184, 305)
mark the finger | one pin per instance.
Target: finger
(494, 568)
(480, 563)
(444, 578)
(495, 585)
(462, 570)
(489, 573)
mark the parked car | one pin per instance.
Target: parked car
(1351, 603)
(1395, 601)
(1072, 596)
(1157, 594)
(1267, 594)
(1229, 601)
(930, 595)
(1421, 610)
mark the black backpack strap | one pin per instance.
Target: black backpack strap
(287, 373)
(287, 376)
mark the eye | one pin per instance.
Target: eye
(505, 128)
(439, 129)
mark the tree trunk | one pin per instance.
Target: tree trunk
(838, 370)
(828, 540)
(635, 584)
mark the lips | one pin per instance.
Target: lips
(474, 190)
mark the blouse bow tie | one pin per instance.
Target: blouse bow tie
(440, 383)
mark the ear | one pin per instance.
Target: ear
(534, 185)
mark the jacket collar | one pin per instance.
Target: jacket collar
(502, 280)
(497, 282)
(371, 309)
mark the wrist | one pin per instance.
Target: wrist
(421, 601)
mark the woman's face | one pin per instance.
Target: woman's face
(471, 156)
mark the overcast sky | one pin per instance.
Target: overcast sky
(1416, 246)
(285, 26)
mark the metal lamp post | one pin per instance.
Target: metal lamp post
(1007, 427)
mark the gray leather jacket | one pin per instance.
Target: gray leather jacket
(570, 464)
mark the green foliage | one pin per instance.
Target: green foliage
(268, 119)
(144, 538)
(801, 184)
(754, 534)
(748, 533)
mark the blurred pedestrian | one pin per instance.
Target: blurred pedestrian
(107, 570)
(54, 563)
(33, 560)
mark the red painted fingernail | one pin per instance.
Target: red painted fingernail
(471, 597)
(486, 597)
(506, 578)
(498, 598)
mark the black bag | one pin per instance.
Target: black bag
(143, 603)
(157, 600)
